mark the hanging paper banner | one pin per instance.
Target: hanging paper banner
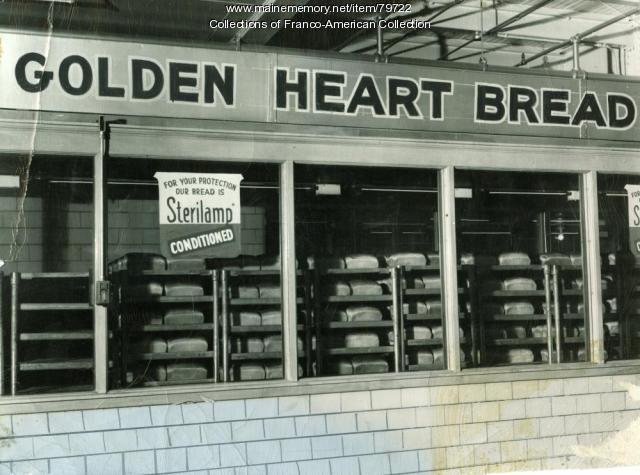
(199, 214)
(633, 195)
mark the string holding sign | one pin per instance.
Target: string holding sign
(633, 198)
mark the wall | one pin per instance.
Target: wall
(485, 427)
(133, 227)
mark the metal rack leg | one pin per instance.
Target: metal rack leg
(396, 316)
(15, 305)
(216, 330)
(556, 311)
(225, 326)
(547, 297)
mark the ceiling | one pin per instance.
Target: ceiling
(498, 32)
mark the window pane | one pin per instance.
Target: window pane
(201, 290)
(620, 266)
(368, 238)
(513, 229)
(46, 234)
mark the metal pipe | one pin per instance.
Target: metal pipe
(547, 298)
(580, 36)
(576, 53)
(2, 350)
(556, 311)
(499, 26)
(216, 331)
(15, 282)
(379, 41)
(225, 327)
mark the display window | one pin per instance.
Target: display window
(46, 252)
(194, 258)
(519, 240)
(619, 213)
(369, 238)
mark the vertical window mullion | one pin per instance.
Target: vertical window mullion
(591, 264)
(449, 266)
(288, 260)
(101, 330)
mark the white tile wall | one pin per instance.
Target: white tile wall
(456, 429)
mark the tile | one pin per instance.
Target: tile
(526, 428)
(120, 440)
(184, 436)
(430, 416)
(486, 411)
(197, 412)
(153, 438)
(86, 443)
(344, 466)
(538, 407)
(295, 449)
(167, 414)
(499, 431)
(320, 467)
(472, 393)
(601, 384)
(612, 401)
(576, 386)
(47, 446)
(357, 444)
(133, 417)
(387, 441)
(371, 420)
(415, 397)
(247, 430)
(386, 399)
(524, 389)
(576, 424)
(280, 428)
(229, 410)
(510, 410)
(327, 446)
(267, 451)
(432, 459)
(588, 403)
(69, 466)
(484, 454)
(404, 462)
(444, 395)
(30, 424)
(563, 405)
(539, 448)
(171, 460)
(324, 403)
(355, 401)
(215, 433)
(293, 405)
(498, 391)
(420, 438)
(262, 408)
(65, 422)
(401, 418)
(375, 464)
(101, 419)
(31, 467)
(107, 464)
(139, 462)
(445, 436)
(563, 445)
(551, 426)
(601, 422)
(288, 468)
(233, 455)
(341, 423)
(511, 451)
(550, 387)
(20, 448)
(458, 414)
(473, 433)
(307, 426)
(460, 456)
(203, 457)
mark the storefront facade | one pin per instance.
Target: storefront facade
(497, 205)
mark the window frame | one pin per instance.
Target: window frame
(146, 138)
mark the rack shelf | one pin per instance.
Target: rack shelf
(47, 307)
(55, 364)
(172, 356)
(52, 336)
(356, 325)
(359, 351)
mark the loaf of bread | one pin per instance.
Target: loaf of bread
(539, 331)
(183, 289)
(406, 259)
(419, 332)
(338, 288)
(187, 344)
(361, 261)
(433, 308)
(433, 258)
(361, 340)
(359, 313)
(140, 261)
(340, 367)
(252, 344)
(576, 259)
(432, 282)
(365, 287)
(519, 283)
(273, 343)
(186, 371)
(183, 316)
(248, 372)
(424, 357)
(516, 331)
(519, 355)
(518, 308)
(150, 345)
(276, 371)
(514, 259)
(245, 318)
(247, 292)
(149, 289)
(269, 291)
(271, 317)
(369, 365)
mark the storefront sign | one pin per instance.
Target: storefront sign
(199, 214)
(110, 77)
(633, 196)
